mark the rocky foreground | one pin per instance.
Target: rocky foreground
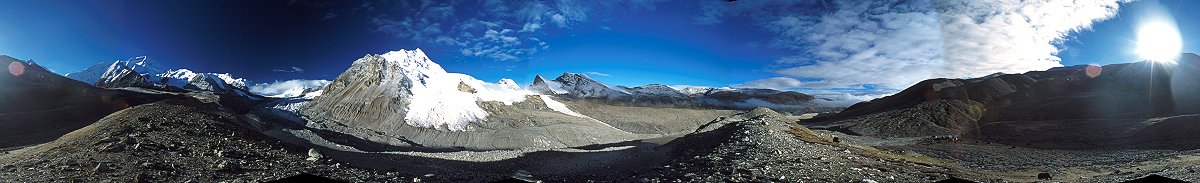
(174, 140)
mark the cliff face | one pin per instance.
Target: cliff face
(361, 96)
(956, 106)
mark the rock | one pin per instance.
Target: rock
(314, 155)
(1043, 176)
(229, 154)
(142, 177)
(114, 147)
(463, 87)
(229, 166)
(869, 181)
(524, 176)
(107, 140)
(157, 166)
(103, 167)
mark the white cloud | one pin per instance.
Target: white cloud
(1011, 37)
(289, 69)
(329, 16)
(897, 44)
(844, 98)
(498, 31)
(559, 20)
(778, 83)
(596, 74)
(531, 27)
(289, 88)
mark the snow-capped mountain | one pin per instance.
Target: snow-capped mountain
(544, 86)
(123, 75)
(407, 86)
(141, 65)
(145, 72)
(402, 98)
(577, 85)
(508, 83)
(217, 82)
(692, 90)
(657, 90)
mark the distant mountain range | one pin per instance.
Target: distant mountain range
(145, 72)
(580, 86)
(403, 98)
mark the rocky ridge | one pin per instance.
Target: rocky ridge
(1124, 98)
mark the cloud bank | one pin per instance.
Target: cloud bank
(897, 44)
(289, 88)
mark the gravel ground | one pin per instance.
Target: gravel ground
(176, 140)
(763, 150)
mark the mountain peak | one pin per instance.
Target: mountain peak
(408, 82)
(542, 85)
(574, 76)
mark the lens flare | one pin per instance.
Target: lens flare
(1093, 71)
(16, 68)
(1159, 42)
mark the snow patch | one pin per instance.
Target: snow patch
(560, 107)
(691, 90)
(178, 77)
(556, 87)
(230, 80)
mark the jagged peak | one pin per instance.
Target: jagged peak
(569, 75)
(538, 78)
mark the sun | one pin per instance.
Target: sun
(1158, 42)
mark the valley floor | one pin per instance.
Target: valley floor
(185, 139)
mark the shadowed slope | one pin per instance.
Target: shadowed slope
(37, 106)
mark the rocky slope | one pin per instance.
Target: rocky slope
(37, 106)
(178, 139)
(1123, 98)
(761, 145)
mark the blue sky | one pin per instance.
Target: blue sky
(858, 47)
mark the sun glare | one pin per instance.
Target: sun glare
(1158, 42)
